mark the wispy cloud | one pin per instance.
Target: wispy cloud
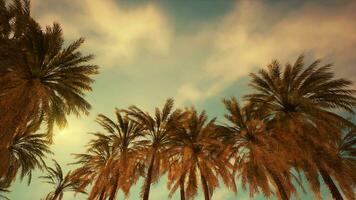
(114, 34)
(254, 33)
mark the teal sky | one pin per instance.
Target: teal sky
(195, 51)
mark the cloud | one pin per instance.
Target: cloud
(113, 33)
(188, 91)
(254, 33)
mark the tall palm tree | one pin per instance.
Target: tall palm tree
(334, 164)
(26, 154)
(47, 77)
(300, 99)
(60, 182)
(157, 132)
(96, 166)
(344, 164)
(258, 156)
(14, 17)
(197, 154)
(41, 77)
(113, 156)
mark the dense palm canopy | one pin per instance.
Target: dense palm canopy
(290, 125)
(300, 100)
(157, 132)
(95, 167)
(60, 182)
(48, 78)
(196, 155)
(38, 75)
(259, 158)
(311, 89)
(112, 158)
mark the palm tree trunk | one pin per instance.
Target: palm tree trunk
(149, 177)
(56, 195)
(277, 181)
(205, 187)
(101, 197)
(4, 157)
(113, 191)
(330, 183)
(181, 185)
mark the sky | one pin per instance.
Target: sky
(197, 52)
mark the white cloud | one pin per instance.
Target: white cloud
(188, 91)
(253, 34)
(112, 33)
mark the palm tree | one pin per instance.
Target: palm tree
(157, 131)
(96, 166)
(344, 164)
(60, 182)
(197, 154)
(41, 77)
(112, 157)
(13, 21)
(300, 99)
(26, 154)
(47, 77)
(335, 164)
(257, 153)
(347, 149)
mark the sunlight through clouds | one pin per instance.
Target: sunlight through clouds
(71, 139)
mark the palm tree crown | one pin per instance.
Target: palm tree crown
(26, 153)
(300, 89)
(48, 77)
(157, 131)
(258, 155)
(38, 76)
(196, 154)
(300, 100)
(113, 157)
(60, 182)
